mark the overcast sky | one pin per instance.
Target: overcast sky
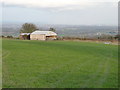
(74, 12)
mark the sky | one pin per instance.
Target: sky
(70, 12)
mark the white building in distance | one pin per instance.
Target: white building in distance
(39, 35)
(43, 35)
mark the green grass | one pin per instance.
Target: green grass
(59, 64)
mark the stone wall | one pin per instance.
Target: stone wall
(37, 37)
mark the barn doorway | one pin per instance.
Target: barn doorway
(25, 37)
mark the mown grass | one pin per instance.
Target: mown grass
(59, 64)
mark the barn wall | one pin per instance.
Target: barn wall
(37, 37)
(51, 37)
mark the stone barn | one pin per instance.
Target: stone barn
(43, 35)
(25, 36)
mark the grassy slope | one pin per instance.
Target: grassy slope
(59, 64)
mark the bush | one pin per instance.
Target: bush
(2, 36)
(9, 36)
(59, 38)
(117, 37)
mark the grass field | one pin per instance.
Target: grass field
(59, 64)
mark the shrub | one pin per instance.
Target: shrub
(9, 36)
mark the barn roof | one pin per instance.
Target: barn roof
(46, 33)
(25, 34)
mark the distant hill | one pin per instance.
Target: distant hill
(63, 30)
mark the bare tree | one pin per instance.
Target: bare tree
(52, 29)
